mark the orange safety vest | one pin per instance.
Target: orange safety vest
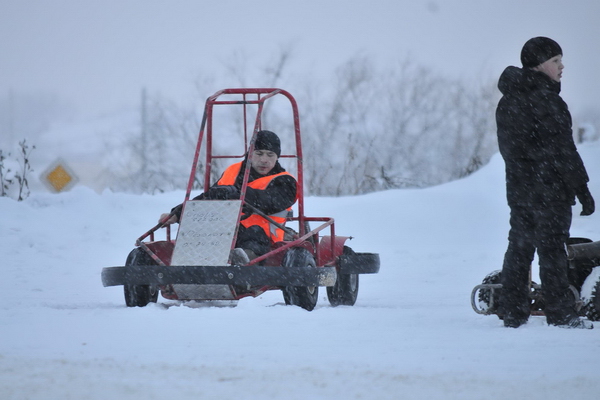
(273, 232)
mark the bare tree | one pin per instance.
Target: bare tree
(19, 177)
(156, 158)
(396, 127)
(368, 129)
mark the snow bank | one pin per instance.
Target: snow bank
(412, 333)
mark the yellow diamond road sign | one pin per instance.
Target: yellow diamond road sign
(58, 177)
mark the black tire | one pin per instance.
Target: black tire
(345, 290)
(301, 296)
(592, 308)
(579, 270)
(485, 295)
(139, 295)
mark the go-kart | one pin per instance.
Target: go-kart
(197, 264)
(584, 281)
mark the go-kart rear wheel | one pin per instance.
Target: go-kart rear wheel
(139, 295)
(345, 290)
(301, 296)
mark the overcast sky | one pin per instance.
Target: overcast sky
(98, 54)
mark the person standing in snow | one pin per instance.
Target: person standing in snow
(544, 175)
(270, 189)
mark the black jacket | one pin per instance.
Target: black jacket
(536, 140)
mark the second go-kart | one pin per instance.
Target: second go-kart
(584, 279)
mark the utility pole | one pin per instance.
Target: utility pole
(10, 118)
(144, 136)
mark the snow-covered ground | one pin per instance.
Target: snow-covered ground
(411, 335)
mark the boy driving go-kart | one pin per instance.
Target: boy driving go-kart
(240, 237)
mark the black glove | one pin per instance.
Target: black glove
(177, 211)
(223, 193)
(587, 201)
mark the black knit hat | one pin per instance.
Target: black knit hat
(539, 50)
(267, 140)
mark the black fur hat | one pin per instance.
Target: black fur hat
(539, 50)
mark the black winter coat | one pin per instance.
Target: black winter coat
(536, 140)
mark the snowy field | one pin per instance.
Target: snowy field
(411, 335)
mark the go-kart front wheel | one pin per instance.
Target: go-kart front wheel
(301, 296)
(139, 295)
(489, 299)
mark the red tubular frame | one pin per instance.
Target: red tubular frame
(329, 247)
